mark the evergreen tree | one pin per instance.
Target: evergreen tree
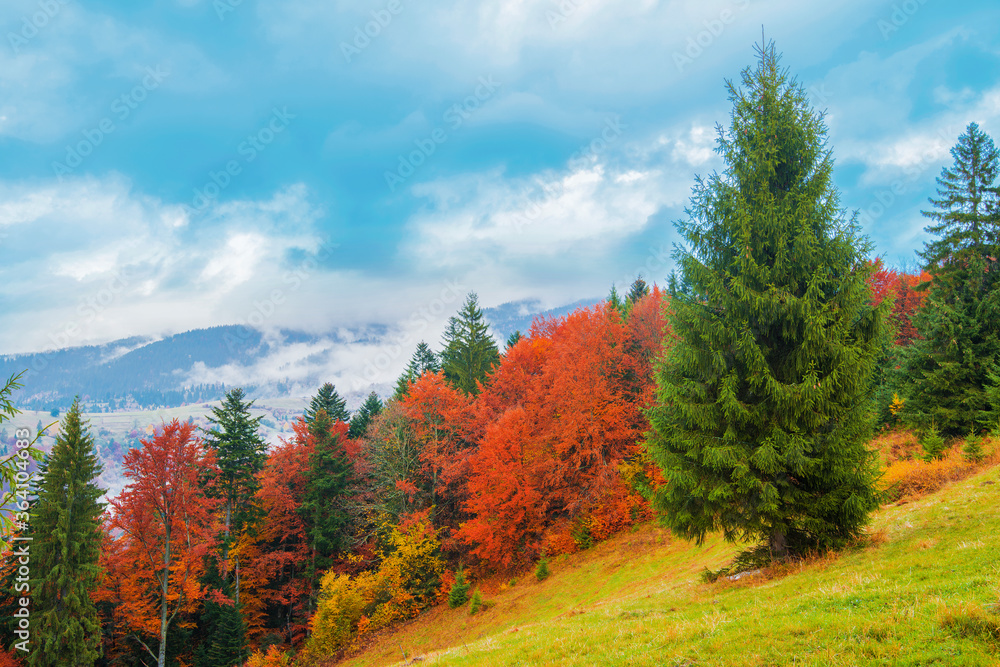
(616, 302)
(224, 641)
(470, 352)
(638, 290)
(948, 370)
(324, 507)
(328, 400)
(763, 405)
(66, 531)
(423, 361)
(240, 453)
(363, 417)
(512, 340)
(459, 593)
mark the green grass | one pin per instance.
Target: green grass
(924, 592)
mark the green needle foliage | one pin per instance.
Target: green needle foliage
(763, 403)
(364, 416)
(470, 352)
(328, 400)
(240, 453)
(423, 361)
(948, 370)
(66, 545)
(459, 593)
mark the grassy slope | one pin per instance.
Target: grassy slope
(637, 599)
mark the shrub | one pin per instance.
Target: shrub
(542, 570)
(273, 658)
(459, 591)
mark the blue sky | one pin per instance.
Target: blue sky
(315, 164)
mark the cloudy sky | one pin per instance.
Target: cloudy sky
(314, 164)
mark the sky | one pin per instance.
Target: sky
(320, 164)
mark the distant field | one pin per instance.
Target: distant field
(117, 432)
(924, 592)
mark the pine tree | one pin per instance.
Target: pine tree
(363, 417)
(328, 400)
(512, 340)
(240, 453)
(762, 416)
(459, 593)
(638, 290)
(66, 531)
(948, 370)
(423, 361)
(470, 352)
(616, 302)
(324, 508)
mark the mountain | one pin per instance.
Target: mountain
(138, 374)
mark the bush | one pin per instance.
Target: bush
(476, 604)
(542, 570)
(459, 591)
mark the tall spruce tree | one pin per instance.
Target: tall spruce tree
(324, 507)
(470, 352)
(240, 453)
(364, 416)
(512, 340)
(328, 400)
(66, 545)
(423, 361)
(948, 369)
(638, 290)
(762, 416)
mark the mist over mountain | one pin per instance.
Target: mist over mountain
(199, 366)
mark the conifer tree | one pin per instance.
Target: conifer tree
(459, 593)
(423, 361)
(240, 453)
(363, 417)
(324, 508)
(616, 302)
(66, 531)
(948, 370)
(638, 290)
(513, 340)
(470, 352)
(762, 416)
(328, 400)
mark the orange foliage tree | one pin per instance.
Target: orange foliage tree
(564, 412)
(167, 527)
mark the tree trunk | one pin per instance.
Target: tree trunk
(779, 546)
(161, 660)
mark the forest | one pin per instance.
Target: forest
(739, 397)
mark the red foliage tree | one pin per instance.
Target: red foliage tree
(908, 302)
(167, 525)
(565, 412)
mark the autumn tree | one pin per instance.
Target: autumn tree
(392, 454)
(949, 368)
(167, 526)
(65, 549)
(364, 416)
(423, 361)
(470, 352)
(328, 400)
(764, 395)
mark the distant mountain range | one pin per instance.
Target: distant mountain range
(201, 365)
